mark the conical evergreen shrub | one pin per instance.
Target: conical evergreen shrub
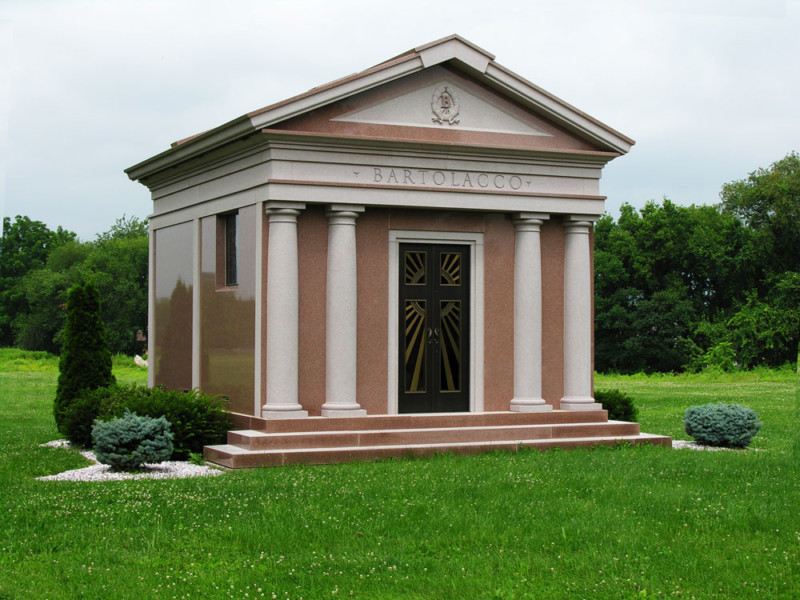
(85, 361)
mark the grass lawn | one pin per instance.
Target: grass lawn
(607, 523)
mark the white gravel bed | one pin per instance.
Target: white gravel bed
(681, 444)
(98, 472)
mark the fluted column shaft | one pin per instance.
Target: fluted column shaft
(341, 314)
(528, 315)
(282, 313)
(578, 317)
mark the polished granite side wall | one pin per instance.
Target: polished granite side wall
(172, 327)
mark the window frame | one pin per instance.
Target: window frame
(227, 275)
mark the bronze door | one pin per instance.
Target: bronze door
(434, 328)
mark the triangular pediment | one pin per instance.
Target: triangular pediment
(439, 104)
(445, 103)
(413, 97)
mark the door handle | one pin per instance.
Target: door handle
(433, 335)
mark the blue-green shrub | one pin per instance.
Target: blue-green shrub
(619, 405)
(129, 442)
(726, 425)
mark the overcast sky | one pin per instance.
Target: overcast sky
(709, 89)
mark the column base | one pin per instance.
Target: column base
(343, 410)
(290, 411)
(529, 405)
(580, 403)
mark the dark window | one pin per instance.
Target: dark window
(231, 249)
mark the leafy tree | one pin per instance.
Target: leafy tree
(125, 228)
(119, 268)
(24, 247)
(85, 362)
(38, 326)
(702, 286)
(660, 273)
(766, 331)
(659, 329)
(721, 357)
(768, 203)
(116, 262)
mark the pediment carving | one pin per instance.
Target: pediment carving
(444, 103)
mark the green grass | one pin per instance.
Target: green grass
(606, 523)
(662, 400)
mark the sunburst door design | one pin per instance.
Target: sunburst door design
(416, 341)
(450, 319)
(450, 346)
(434, 303)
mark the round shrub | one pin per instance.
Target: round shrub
(129, 442)
(619, 406)
(726, 425)
(101, 403)
(79, 418)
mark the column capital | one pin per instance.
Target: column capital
(529, 221)
(273, 207)
(343, 214)
(530, 216)
(345, 208)
(574, 223)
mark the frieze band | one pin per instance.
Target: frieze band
(452, 179)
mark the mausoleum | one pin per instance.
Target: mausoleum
(412, 239)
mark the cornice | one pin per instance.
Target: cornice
(358, 143)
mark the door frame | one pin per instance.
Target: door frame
(475, 243)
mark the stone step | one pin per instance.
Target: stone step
(232, 456)
(417, 421)
(261, 440)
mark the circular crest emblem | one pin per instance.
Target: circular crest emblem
(444, 105)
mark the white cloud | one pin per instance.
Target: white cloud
(707, 88)
(6, 45)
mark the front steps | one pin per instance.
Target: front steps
(320, 440)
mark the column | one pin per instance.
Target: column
(151, 307)
(578, 316)
(259, 285)
(528, 315)
(282, 313)
(341, 314)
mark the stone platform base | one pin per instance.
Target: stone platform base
(321, 440)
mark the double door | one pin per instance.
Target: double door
(434, 322)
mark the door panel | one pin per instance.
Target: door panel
(434, 318)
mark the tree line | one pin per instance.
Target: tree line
(685, 288)
(676, 288)
(38, 266)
